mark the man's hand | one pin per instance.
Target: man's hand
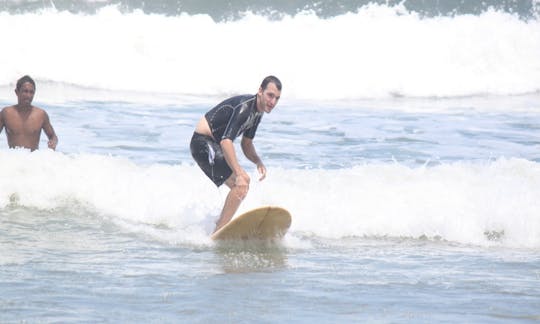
(52, 143)
(241, 185)
(262, 171)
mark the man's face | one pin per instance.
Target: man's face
(268, 98)
(25, 94)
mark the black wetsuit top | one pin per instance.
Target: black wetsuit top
(233, 117)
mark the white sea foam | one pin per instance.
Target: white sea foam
(379, 51)
(472, 203)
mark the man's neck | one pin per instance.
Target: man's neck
(21, 107)
(257, 102)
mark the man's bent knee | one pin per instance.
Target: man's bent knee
(240, 191)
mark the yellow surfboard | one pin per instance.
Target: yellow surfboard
(262, 223)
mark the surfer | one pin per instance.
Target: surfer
(24, 122)
(212, 142)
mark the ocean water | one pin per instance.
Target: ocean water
(406, 147)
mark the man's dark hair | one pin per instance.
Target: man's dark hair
(23, 80)
(271, 79)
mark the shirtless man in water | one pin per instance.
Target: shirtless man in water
(24, 122)
(212, 142)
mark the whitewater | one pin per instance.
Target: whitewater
(378, 51)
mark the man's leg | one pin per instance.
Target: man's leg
(232, 202)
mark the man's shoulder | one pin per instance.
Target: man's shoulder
(8, 111)
(234, 102)
(38, 110)
(40, 114)
(14, 108)
(8, 108)
(241, 98)
(247, 97)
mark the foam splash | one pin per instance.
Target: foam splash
(473, 203)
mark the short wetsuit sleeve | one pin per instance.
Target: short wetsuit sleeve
(250, 132)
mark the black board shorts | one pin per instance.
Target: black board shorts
(209, 156)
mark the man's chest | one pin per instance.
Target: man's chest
(23, 124)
